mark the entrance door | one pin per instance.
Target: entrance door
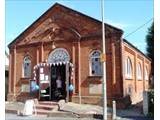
(59, 56)
(56, 71)
(44, 83)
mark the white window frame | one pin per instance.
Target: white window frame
(128, 68)
(23, 69)
(146, 76)
(139, 71)
(90, 63)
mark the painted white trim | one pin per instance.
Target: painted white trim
(146, 76)
(139, 71)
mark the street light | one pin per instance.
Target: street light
(103, 56)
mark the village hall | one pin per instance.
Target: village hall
(60, 53)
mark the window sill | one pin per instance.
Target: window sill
(25, 80)
(95, 76)
(129, 78)
(95, 79)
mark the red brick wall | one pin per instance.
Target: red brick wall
(138, 86)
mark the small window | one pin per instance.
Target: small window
(128, 68)
(139, 72)
(27, 67)
(95, 63)
(146, 73)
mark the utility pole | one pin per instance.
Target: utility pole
(103, 59)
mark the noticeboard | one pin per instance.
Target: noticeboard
(32, 85)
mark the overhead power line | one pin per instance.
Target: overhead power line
(138, 28)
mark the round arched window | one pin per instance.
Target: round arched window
(95, 63)
(26, 67)
(59, 55)
(128, 68)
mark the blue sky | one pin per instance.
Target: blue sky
(125, 14)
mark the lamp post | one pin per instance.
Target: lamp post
(103, 56)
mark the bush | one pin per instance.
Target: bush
(151, 103)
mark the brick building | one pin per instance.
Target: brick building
(64, 42)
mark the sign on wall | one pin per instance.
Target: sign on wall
(95, 88)
(25, 88)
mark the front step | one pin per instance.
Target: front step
(45, 107)
(42, 112)
(47, 103)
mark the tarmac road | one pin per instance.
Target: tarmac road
(9, 116)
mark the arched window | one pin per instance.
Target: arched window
(139, 72)
(26, 67)
(146, 73)
(95, 63)
(128, 68)
(59, 55)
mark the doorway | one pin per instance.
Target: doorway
(58, 70)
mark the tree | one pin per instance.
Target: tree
(150, 47)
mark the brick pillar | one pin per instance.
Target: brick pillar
(14, 80)
(11, 76)
(113, 65)
(123, 68)
(73, 62)
(10, 71)
(135, 71)
(79, 71)
(42, 53)
(37, 55)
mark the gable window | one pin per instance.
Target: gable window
(128, 68)
(26, 67)
(139, 72)
(146, 73)
(95, 63)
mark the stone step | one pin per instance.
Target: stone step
(45, 107)
(42, 112)
(47, 103)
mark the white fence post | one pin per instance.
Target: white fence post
(114, 110)
(145, 103)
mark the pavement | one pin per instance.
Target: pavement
(69, 111)
(12, 107)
